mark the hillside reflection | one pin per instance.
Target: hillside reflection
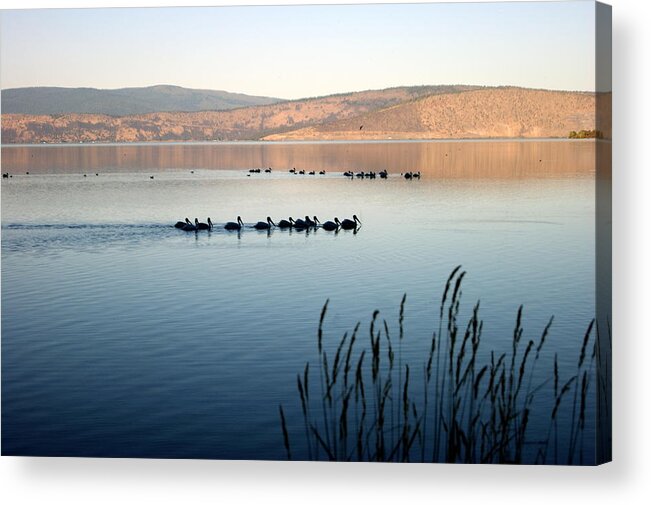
(465, 159)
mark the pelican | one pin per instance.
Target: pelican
(190, 227)
(203, 226)
(284, 223)
(264, 225)
(234, 226)
(181, 224)
(331, 226)
(300, 224)
(350, 224)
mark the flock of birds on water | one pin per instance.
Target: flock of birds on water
(349, 173)
(296, 224)
(383, 174)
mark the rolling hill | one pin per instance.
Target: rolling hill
(484, 113)
(122, 102)
(246, 123)
(420, 112)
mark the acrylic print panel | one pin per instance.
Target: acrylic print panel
(319, 232)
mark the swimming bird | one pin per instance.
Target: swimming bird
(302, 172)
(191, 227)
(300, 224)
(181, 224)
(284, 223)
(416, 175)
(330, 226)
(383, 174)
(312, 172)
(293, 170)
(267, 170)
(234, 226)
(262, 225)
(203, 226)
(322, 172)
(350, 224)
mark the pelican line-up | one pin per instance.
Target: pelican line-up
(298, 224)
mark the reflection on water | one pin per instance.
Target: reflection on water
(435, 159)
(124, 336)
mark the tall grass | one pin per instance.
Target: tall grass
(470, 407)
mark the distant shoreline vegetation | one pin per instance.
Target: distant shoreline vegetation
(586, 134)
(461, 405)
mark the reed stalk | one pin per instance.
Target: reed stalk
(469, 409)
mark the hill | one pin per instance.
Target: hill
(122, 102)
(422, 112)
(246, 123)
(483, 113)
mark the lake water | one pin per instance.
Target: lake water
(123, 336)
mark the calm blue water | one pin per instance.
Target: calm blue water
(125, 337)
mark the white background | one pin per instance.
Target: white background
(628, 480)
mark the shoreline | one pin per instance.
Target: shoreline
(302, 142)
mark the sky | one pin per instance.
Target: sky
(302, 51)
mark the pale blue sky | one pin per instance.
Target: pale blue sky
(300, 51)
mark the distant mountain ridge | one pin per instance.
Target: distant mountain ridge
(123, 101)
(409, 112)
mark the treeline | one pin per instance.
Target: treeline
(586, 134)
